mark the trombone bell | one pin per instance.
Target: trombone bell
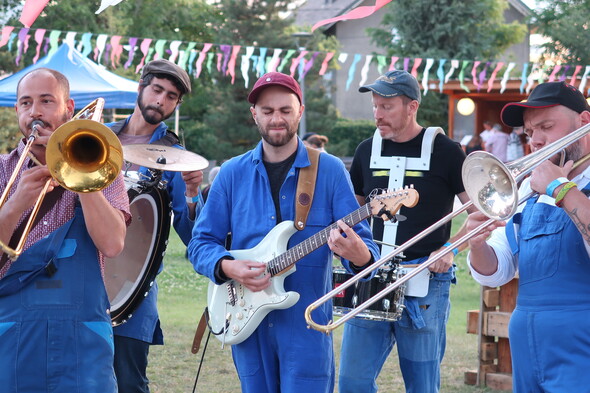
(490, 185)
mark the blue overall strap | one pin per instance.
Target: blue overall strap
(511, 233)
(12, 283)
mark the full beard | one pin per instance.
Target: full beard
(151, 117)
(277, 139)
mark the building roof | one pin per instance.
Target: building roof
(316, 10)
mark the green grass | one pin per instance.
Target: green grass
(183, 296)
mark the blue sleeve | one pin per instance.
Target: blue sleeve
(176, 190)
(207, 245)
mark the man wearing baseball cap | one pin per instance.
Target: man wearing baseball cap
(161, 88)
(548, 243)
(402, 153)
(252, 194)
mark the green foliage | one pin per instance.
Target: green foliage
(565, 22)
(449, 29)
(9, 131)
(346, 135)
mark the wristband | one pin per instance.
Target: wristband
(554, 184)
(194, 199)
(455, 250)
(562, 193)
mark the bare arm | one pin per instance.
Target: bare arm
(105, 224)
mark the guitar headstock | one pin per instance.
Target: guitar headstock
(388, 203)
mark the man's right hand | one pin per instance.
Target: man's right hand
(30, 186)
(249, 273)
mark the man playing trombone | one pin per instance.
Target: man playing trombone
(548, 242)
(403, 153)
(55, 330)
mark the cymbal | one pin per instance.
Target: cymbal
(165, 158)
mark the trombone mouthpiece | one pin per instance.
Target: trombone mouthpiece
(36, 123)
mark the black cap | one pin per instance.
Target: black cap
(395, 83)
(545, 95)
(163, 66)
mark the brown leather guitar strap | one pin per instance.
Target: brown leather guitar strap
(305, 188)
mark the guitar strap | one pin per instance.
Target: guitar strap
(305, 188)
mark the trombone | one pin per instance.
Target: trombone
(492, 187)
(83, 155)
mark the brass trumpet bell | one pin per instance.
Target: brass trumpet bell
(84, 155)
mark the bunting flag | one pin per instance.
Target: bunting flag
(108, 50)
(493, 76)
(31, 11)
(365, 69)
(356, 13)
(325, 63)
(506, 76)
(429, 63)
(104, 4)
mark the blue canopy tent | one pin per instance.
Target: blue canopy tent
(88, 80)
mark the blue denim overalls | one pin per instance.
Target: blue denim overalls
(55, 331)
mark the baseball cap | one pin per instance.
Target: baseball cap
(544, 95)
(274, 79)
(163, 66)
(395, 83)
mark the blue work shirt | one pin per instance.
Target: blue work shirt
(240, 202)
(144, 325)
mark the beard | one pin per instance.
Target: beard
(277, 139)
(390, 131)
(148, 116)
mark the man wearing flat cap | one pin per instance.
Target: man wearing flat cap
(547, 242)
(161, 88)
(251, 195)
(402, 153)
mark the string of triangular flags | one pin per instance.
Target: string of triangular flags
(194, 57)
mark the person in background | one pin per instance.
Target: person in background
(317, 142)
(252, 194)
(212, 174)
(514, 150)
(161, 88)
(487, 131)
(55, 329)
(474, 144)
(497, 143)
(403, 153)
(547, 243)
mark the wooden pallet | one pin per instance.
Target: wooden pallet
(490, 323)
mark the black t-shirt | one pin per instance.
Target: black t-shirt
(436, 188)
(277, 173)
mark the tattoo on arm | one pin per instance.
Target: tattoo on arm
(583, 228)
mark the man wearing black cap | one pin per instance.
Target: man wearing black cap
(251, 195)
(548, 243)
(403, 153)
(161, 88)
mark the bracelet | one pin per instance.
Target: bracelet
(554, 184)
(455, 250)
(194, 199)
(562, 193)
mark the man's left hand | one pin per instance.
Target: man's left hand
(193, 180)
(345, 242)
(443, 264)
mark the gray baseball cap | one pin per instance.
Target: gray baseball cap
(395, 83)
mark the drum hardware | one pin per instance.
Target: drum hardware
(83, 155)
(492, 187)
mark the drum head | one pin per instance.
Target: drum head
(129, 276)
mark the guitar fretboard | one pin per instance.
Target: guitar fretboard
(294, 254)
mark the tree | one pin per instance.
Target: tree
(449, 29)
(565, 22)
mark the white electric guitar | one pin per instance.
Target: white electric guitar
(235, 311)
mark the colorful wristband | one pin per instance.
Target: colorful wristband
(194, 199)
(562, 193)
(554, 184)
(455, 250)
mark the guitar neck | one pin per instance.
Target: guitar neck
(294, 254)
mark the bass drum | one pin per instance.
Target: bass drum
(130, 276)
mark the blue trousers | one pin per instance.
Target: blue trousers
(131, 360)
(366, 345)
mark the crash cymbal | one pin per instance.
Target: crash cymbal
(165, 158)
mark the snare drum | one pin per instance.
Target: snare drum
(130, 275)
(389, 308)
